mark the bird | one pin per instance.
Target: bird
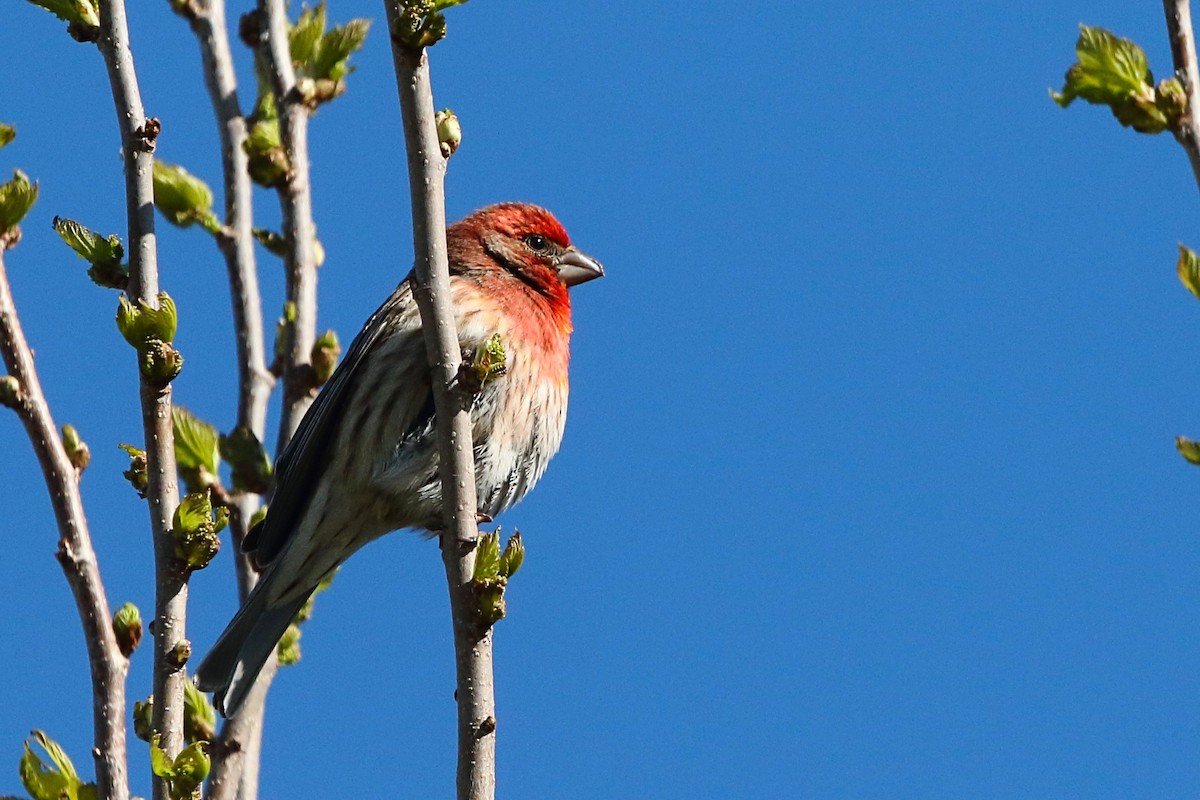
(364, 459)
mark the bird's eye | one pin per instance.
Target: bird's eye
(537, 244)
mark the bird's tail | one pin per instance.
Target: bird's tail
(231, 667)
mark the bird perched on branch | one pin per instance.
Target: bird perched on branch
(364, 460)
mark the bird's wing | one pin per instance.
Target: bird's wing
(303, 460)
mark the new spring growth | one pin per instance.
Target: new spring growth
(420, 23)
(16, 198)
(10, 391)
(55, 780)
(143, 716)
(199, 717)
(7, 134)
(127, 625)
(76, 449)
(449, 132)
(1114, 72)
(195, 527)
(183, 198)
(322, 58)
(104, 254)
(1188, 448)
(249, 460)
(325, 353)
(493, 569)
(136, 474)
(196, 450)
(268, 161)
(82, 17)
(186, 773)
(150, 330)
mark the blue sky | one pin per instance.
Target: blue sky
(868, 487)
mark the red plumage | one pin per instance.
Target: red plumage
(364, 460)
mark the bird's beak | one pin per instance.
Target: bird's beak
(575, 267)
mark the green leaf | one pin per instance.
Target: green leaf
(160, 763)
(183, 198)
(88, 245)
(7, 134)
(306, 33)
(40, 781)
(83, 12)
(1188, 269)
(513, 556)
(1114, 72)
(16, 198)
(127, 626)
(1188, 448)
(139, 324)
(196, 445)
(44, 782)
(442, 5)
(191, 768)
(487, 557)
(249, 459)
(333, 51)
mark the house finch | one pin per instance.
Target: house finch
(364, 460)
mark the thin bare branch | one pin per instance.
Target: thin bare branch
(235, 762)
(138, 136)
(1183, 52)
(299, 232)
(476, 778)
(75, 555)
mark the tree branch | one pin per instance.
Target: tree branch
(138, 135)
(75, 554)
(476, 776)
(241, 736)
(299, 231)
(235, 763)
(1183, 52)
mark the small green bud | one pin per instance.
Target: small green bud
(137, 473)
(492, 607)
(83, 13)
(127, 625)
(1171, 99)
(191, 768)
(288, 648)
(272, 241)
(513, 556)
(10, 391)
(318, 253)
(179, 654)
(267, 160)
(141, 323)
(199, 717)
(7, 134)
(449, 131)
(258, 516)
(76, 449)
(16, 198)
(325, 352)
(1188, 448)
(160, 362)
(143, 716)
(183, 198)
(195, 528)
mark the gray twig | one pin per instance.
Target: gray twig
(75, 554)
(1183, 52)
(235, 769)
(476, 776)
(138, 135)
